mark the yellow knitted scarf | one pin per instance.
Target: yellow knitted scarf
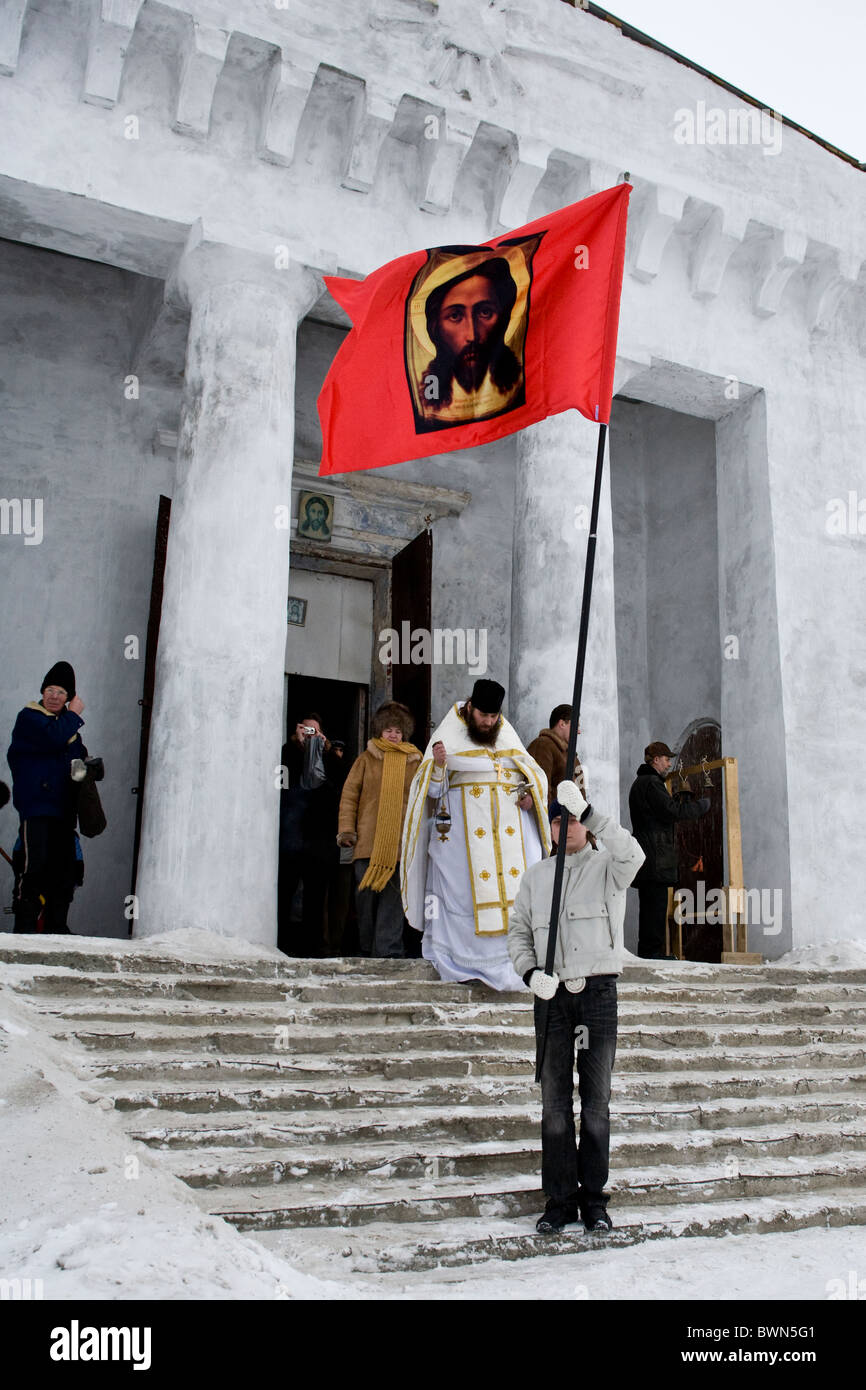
(389, 819)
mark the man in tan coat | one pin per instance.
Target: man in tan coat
(549, 751)
(372, 811)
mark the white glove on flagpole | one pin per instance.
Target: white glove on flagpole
(569, 795)
(544, 986)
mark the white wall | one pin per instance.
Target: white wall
(72, 439)
(336, 641)
(742, 266)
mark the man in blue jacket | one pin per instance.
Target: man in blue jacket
(45, 742)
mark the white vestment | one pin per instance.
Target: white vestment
(457, 890)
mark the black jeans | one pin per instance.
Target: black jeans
(311, 870)
(49, 874)
(653, 899)
(570, 1173)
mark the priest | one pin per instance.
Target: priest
(477, 818)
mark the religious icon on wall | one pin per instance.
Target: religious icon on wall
(467, 315)
(296, 611)
(315, 516)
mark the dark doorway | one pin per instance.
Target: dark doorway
(700, 842)
(342, 709)
(411, 583)
(342, 706)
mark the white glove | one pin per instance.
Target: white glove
(569, 795)
(543, 986)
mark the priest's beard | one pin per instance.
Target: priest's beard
(483, 736)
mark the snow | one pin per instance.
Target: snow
(797, 1265)
(192, 943)
(87, 1212)
(832, 955)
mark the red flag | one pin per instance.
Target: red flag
(460, 345)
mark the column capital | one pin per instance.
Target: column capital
(217, 255)
(630, 362)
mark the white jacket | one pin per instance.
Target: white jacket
(589, 940)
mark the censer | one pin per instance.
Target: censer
(443, 816)
(522, 789)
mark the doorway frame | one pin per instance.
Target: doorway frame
(374, 569)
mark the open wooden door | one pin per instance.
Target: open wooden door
(411, 585)
(159, 553)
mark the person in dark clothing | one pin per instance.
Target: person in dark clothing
(340, 921)
(46, 743)
(308, 820)
(654, 813)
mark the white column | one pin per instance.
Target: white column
(553, 499)
(209, 838)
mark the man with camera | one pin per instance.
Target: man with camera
(308, 824)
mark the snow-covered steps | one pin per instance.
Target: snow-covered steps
(329, 1253)
(177, 998)
(449, 1051)
(314, 1199)
(497, 1094)
(455, 1080)
(424, 1136)
(315, 1102)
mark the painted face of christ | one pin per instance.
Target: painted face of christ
(466, 325)
(467, 319)
(316, 514)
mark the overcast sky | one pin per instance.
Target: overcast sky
(804, 59)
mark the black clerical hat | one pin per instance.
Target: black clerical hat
(487, 696)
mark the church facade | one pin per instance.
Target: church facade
(175, 180)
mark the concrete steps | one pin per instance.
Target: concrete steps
(302, 1100)
(329, 1252)
(385, 1196)
(459, 1079)
(176, 1010)
(478, 1125)
(499, 1097)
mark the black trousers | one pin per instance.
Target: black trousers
(380, 915)
(653, 900)
(49, 876)
(570, 1172)
(311, 871)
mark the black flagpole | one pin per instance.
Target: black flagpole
(544, 1010)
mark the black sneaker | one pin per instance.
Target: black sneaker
(556, 1216)
(595, 1219)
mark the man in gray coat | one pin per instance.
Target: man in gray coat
(583, 1002)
